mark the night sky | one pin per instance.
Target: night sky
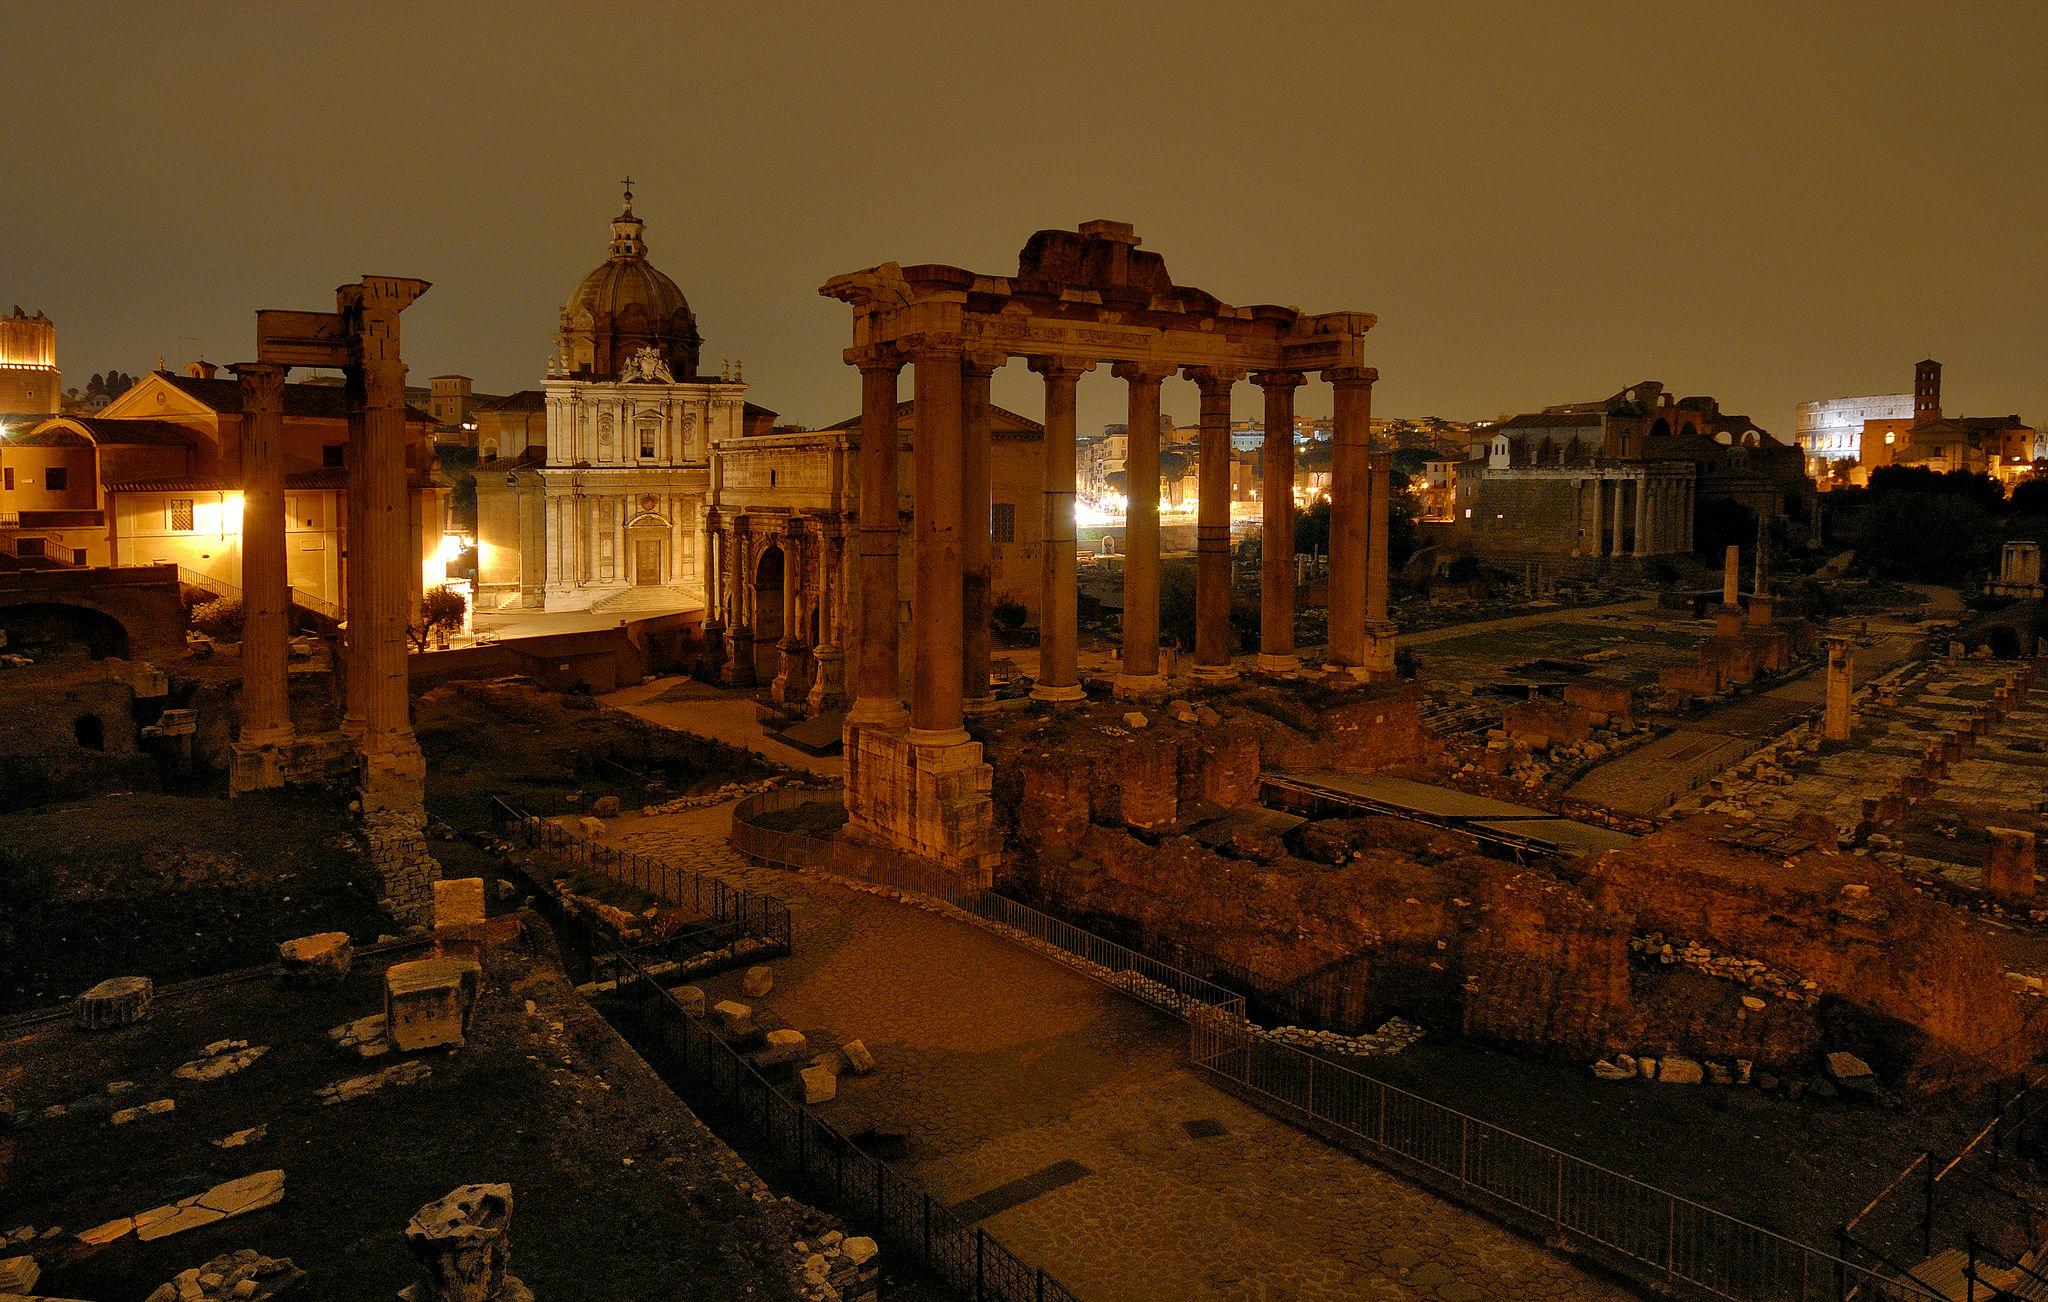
(1542, 203)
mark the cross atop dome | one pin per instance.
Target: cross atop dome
(628, 183)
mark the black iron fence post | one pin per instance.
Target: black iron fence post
(1927, 1210)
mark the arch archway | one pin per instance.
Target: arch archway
(648, 540)
(55, 627)
(769, 576)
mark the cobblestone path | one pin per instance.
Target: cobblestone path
(1000, 1064)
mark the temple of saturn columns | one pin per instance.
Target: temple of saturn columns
(915, 778)
(360, 338)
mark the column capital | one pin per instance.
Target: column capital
(875, 357)
(1061, 368)
(1351, 375)
(982, 362)
(1279, 379)
(1144, 372)
(263, 381)
(1214, 377)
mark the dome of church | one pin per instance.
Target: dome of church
(622, 306)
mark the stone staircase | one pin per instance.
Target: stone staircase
(646, 600)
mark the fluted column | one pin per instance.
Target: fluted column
(1141, 529)
(1276, 546)
(828, 686)
(1213, 637)
(788, 686)
(355, 669)
(976, 581)
(266, 718)
(1616, 525)
(739, 664)
(935, 697)
(713, 563)
(876, 694)
(1059, 678)
(1351, 510)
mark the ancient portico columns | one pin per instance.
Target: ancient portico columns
(1141, 528)
(876, 694)
(266, 720)
(936, 695)
(739, 665)
(714, 591)
(1276, 563)
(976, 581)
(1059, 678)
(1352, 549)
(1212, 526)
(828, 687)
(789, 669)
(1643, 513)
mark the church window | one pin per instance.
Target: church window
(8, 481)
(181, 514)
(1002, 522)
(647, 433)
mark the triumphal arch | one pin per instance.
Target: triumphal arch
(1082, 298)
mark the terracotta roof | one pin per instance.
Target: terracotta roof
(1552, 420)
(319, 401)
(139, 433)
(1002, 420)
(298, 474)
(49, 438)
(524, 400)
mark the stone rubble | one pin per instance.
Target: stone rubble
(117, 1001)
(1655, 947)
(230, 1198)
(364, 1036)
(463, 1243)
(398, 1073)
(245, 1276)
(122, 1116)
(321, 958)
(730, 791)
(222, 1058)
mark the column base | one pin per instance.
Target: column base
(1214, 673)
(1139, 686)
(256, 766)
(713, 664)
(739, 666)
(978, 705)
(884, 713)
(1279, 666)
(1052, 695)
(828, 684)
(1379, 650)
(395, 783)
(926, 792)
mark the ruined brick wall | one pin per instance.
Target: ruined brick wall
(1541, 722)
(1546, 966)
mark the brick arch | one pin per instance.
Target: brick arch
(31, 624)
(141, 602)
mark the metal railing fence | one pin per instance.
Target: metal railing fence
(746, 912)
(1651, 1234)
(826, 1168)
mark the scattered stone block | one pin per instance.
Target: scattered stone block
(758, 981)
(691, 998)
(591, 829)
(242, 1137)
(1134, 720)
(122, 1116)
(1606, 1070)
(19, 1274)
(316, 959)
(101, 1235)
(458, 902)
(857, 1057)
(730, 1018)
(820, 1084)
(1847, 1066)
(1679, 1071)
(232, 1198)
(116, 1001)
(398, 1073)
(787, 1042)
(605, 807)
(463, 1244)
(365, 1036)
(427, 1002)
(1752, 1003)
(223, 1058)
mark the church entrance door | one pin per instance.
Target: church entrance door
(647, 562)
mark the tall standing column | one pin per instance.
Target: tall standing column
(1059, 678)
(935, 698)
(877, 699)
(788, 686)
(1643, 514)
(355, 669)
(1617, 524)
(828, 686)
(1379, 630)
(1141, 529)
(713, 562)
(976, 581)
(1594, 539)
(266, 718)
(739, 664)
(394, 772)
(1350, 518)
(1276, 548)
(1213, 637)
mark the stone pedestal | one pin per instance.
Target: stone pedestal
(463, 1244)
(116, 1001)
(930, 798)
(739, 666)
(1762, 608)
(828, 683)
(254, 766)
(788, 687)
(1841, 687)
(427, 1002)
(1731, 578)
(2009, 862)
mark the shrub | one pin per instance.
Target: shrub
(440, 608)
(220, 619)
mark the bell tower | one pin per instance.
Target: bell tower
(1926, 392)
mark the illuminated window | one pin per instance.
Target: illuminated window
(1002, 522)
(55, 478)
(647, 429)
(181, 514)
(7, 478)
